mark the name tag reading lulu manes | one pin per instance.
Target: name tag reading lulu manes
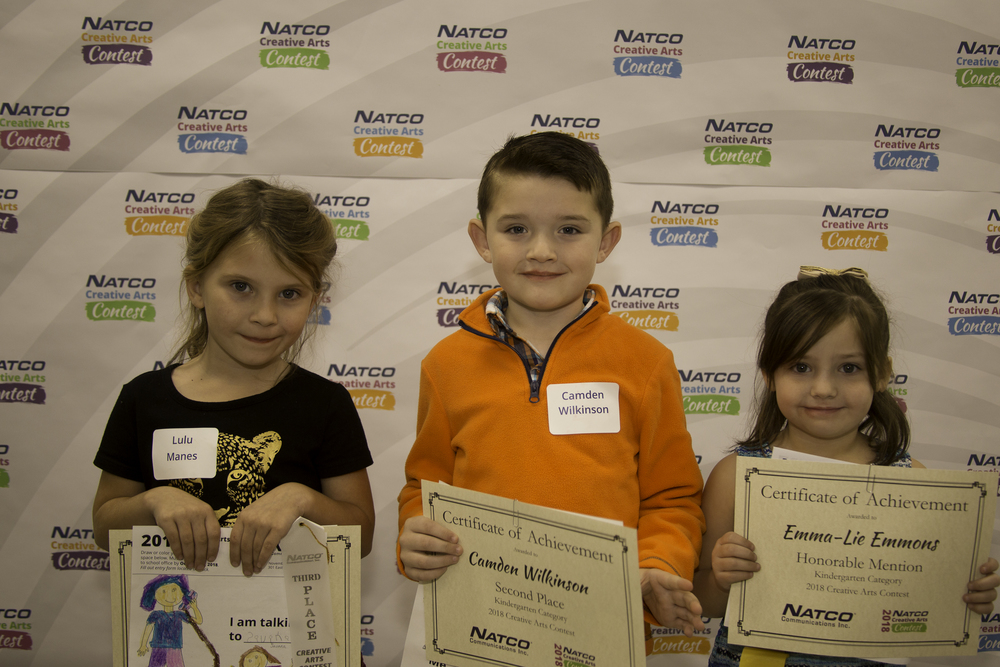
(183, 453)
(583, 407)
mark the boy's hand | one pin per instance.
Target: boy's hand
(189, 524)
(427, 549)
(983, 591)
(262, 524)
(733, 560)
(671, 601)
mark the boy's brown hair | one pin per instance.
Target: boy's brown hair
(552, 155)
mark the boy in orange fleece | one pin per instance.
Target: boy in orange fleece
(488, 410)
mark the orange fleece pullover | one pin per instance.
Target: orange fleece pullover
(478, 429)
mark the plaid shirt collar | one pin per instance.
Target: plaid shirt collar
(496, 315)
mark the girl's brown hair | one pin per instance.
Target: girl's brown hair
(804, 311)
(283, 219)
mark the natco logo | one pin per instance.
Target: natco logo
(33, 127)
(471, 49)
(296, 46)
(579, 127)
(120, 298)
(710, 391)
(20, 381)
(454, 297)
(212, 130)
(992, 239)
(367, 385)
(503, 642)
(977, 314)
(677, 224)
(980, 72)
(8, 221)
(909, 148)
(646, 307)
(854, 228)
(116, 41)
(899, 621)
(13, 623)
(149, 213)
(381, 134)
(824, 59)
(81, 554)
(639, 53)
(348, 214)
(738, 136)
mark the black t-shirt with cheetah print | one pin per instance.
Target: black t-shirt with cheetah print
(303, 429)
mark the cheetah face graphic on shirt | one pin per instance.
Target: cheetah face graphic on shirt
(243, 464)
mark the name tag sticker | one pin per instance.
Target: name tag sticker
(183, 453)
(583, 407)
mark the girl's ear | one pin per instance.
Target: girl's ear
(883, 384)
(768, 381)
(193, 287)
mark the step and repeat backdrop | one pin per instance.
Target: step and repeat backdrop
(744, 139)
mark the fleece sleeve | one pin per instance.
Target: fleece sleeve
(671, 522)
(432, 456)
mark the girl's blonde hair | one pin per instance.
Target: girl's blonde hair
(282, 219)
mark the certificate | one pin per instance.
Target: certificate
(860, 561)
(534, 586)
(218, 616)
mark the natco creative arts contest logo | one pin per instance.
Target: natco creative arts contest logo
(109, 41)
(684, 224)
(294, 46)
(647, 307)
(854, 228)
(453, 297)
(149, 213)
(978, 65)
(22, 381)
(743, 143)
(212, 130)
(116, 298)
(820, 59)
(992, 231)
(909, 148)
(974, 313)
(369, 386)
(75, 549)
(640, 53)
(710, 391)
(32, 127)
(8, 207)
(463, 49)
(14, 624)
(388, 134)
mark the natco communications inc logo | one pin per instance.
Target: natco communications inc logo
(684, 224)
(639, 53)
(150, 213)
(21, 381)
(33, 127)
(368, 385)
(120, 298)
(471, 49)
(977, 314)
(379, 134)
(743, 143)
(982, 71)
(650, 308)
(825, 60)
(116, 41)
(8, 206)
(854, 228)
(294, 46)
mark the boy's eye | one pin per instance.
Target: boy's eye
(516, 229)
(569, 230)
(851, 368)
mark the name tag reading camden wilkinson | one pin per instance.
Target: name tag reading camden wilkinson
(583, 407)
(534, 586)
(860, 561)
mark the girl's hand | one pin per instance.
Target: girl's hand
(189, 524)
(983, 591)
(427, 549)
(670, 600)
(263, 523)
(733, 560)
